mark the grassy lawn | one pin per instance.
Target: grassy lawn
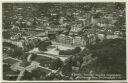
(10, 61)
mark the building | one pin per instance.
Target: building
(76, 40)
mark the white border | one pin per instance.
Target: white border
(44, 1)
(60, 1)
(126, 41)
(1, 42)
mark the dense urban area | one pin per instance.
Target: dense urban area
(64, 41)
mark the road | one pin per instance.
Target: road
(19, 44)
(52, 56)
(21, 74)
(33, 66)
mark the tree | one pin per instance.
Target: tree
(70, 52)
(57, 63)
(77, 50)
(111, 57)
(6, 34)
(67, 69)
(65, 52)
(27, 75)
(33, 57)
(43, 45)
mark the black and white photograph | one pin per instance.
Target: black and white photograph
(64, 41)
(67, 82)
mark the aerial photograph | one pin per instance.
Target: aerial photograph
(67, 82)
(63, 41)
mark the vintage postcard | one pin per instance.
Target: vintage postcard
(68, 82)
(63, 41)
